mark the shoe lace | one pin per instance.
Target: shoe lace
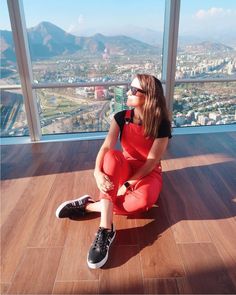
(75, 204)
(101, 241)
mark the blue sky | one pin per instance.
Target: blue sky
(84, 17)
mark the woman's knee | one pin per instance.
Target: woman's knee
(111, 159)
(113, 154)
(140, 204)
(132, 204)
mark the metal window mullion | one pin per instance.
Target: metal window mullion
(171, 28)
(108, 84)
(17, 19)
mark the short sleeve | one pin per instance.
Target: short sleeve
(164, 129)
(120, 119)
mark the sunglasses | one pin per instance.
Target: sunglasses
(134, 90)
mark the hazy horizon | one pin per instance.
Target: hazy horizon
(202, 18)
(151, 36)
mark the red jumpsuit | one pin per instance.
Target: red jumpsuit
(120, 166)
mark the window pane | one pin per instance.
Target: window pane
(8, 66)
(94, 41)
(206, 47)
(83, 109)
(198, 104)
(13, 116)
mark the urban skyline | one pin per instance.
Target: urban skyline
(91, 109)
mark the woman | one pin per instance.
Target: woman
(129, 181)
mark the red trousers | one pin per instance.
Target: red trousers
(145, 192)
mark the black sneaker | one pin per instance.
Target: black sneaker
(98, 253)
(74, 208)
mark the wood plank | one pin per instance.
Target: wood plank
(10, 153)
(22, 163)
(73, 264)
(48, 232)
(36, 272)
(161, 286)
(85, 183)
(17, 229)
(184, 286)
(205, 270)
(11, 191)
(213, 206)
(80, 234)
(4, 288)
(225, 142)
(126, 230)
(122, 273)
(223, 235)
(223, 186)
(159, 253)
(205, 201)
(183, 208)
(81, 287)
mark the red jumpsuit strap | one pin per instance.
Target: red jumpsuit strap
(128, 114)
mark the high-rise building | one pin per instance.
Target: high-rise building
(120, 98)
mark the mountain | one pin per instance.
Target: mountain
(146, 35)
(155, 37)
(47, 40)
(207, 46)
(6, 48)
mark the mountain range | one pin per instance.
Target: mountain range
(47, 40)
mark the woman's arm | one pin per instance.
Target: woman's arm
(154, 156)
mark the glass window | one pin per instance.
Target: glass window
(197, 104)
(12, 107)
(8, 66)
(94, 41)
(13, 116)
(206, 47)
(82, 109)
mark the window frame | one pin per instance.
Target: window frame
(170, 42)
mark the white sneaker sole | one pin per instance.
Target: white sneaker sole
(67, 202)
(102, 262)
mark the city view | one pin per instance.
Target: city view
(101, 58)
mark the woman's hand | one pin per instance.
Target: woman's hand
(104, 183)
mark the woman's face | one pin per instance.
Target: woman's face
(135, 97)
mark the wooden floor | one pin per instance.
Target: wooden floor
(185, 244)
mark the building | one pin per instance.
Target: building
(120, 98)
(100, 93)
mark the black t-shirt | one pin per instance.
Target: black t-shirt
(164, 129)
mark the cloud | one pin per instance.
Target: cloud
(214, 12)
(81, 19)
(78, 25)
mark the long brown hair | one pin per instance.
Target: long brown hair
(154, 109)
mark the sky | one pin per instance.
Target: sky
(86, 17)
